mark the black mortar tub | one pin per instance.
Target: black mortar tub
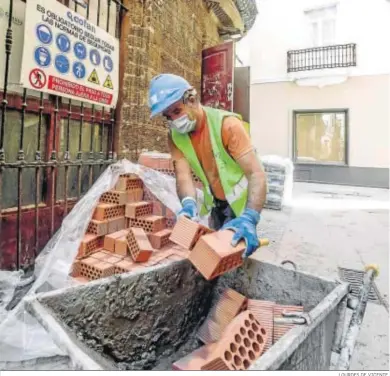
(149, 319)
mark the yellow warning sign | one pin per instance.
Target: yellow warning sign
(108, 83)
(94, 78)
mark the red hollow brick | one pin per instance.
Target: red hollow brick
(81, 279)
(170, 222)
(157, 208)
(127, 182)
(92, 268)
(241, 343)
(195, 360)
(76, 269)
(138, 209)
(99, 228)
(89, 244)
(114, 197)
(101, 255)
(149, 223)
(109, 240)
(160, 239)
(134, 183)
(149, 196)
(116, 224)
(113, 259)
(228, 306)
(121, 246)
(124, 266)
(105, 211)
(155, 160)
(139, 245)
(135, 195)
(186, 232)
(214, 255)
(263, 312)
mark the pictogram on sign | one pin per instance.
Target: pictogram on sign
(37, 78)
(108, 83)
(94, 78)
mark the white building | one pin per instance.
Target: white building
(320, 87)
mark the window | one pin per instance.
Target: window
(11, 148)
(74, 138)
(320, 137)
(322, 26)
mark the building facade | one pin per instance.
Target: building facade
(52, 149)
(320, 88)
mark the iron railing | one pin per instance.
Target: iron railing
(69, 144)
(335, 56)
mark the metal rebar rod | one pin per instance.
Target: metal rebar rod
(356, 322)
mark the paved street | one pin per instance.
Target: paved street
(327, 226)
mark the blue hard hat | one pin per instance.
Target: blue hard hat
(165, 90)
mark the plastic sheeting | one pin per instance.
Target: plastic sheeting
(21, 336)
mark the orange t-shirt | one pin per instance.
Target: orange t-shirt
(235, 139)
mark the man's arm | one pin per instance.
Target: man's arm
(257, 183)
(184, 184)
(238, 144)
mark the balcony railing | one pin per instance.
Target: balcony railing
(335, 56)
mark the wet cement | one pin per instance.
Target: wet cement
(137, 321)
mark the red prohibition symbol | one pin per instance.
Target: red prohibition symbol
(37, 78)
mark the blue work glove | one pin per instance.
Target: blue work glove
(244, 227)
(189, 209)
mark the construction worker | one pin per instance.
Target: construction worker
(217, 147)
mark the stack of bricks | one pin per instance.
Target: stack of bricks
(236, 332)
(124, 234)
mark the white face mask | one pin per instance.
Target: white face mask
(183, 124)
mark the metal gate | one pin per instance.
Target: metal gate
(52, 149)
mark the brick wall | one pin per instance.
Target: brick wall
(163, 36)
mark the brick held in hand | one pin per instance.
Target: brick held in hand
(109, 240)
(116, 224)
(139, 246)
(186, 232)
(114, 197)
(160, 239)
(241, 343)
(214, 255)
(138, 209)
(105, 211)
(229, 305)
(99, 228)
